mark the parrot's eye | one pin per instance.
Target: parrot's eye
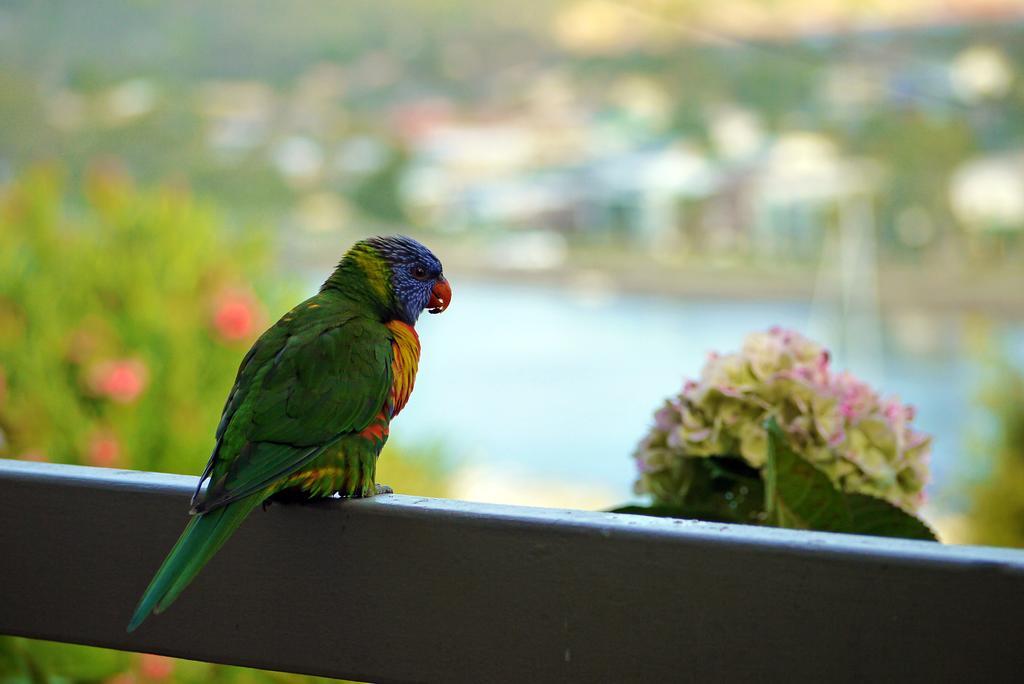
(419, 273)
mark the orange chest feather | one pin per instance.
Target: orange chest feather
(405, 348)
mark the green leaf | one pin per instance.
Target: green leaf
(799, 495)
(878, 517)
(720, 489)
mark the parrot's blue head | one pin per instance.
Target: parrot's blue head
(417, 280)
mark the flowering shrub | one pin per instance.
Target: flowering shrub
(107, 347)
(864, 444)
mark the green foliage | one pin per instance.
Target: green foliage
(378, 194)
(123, 317)
(717, 489)
(24, 661)
(801, 496)
(997, 503)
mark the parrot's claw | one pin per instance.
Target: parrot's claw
(377, 490)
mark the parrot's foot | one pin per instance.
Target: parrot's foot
(377, 490)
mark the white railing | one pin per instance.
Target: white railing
(403, 588)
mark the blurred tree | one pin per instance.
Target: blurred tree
(921, 152)
(378, 194)
(997, 510)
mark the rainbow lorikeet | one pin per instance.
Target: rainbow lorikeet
(311, 405)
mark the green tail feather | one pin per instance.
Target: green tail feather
(203, 536)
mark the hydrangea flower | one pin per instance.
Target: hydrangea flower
(863, 442)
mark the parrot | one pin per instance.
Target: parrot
(312, 402)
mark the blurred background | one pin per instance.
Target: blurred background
(615, 188)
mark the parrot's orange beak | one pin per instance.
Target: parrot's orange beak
(440, 297)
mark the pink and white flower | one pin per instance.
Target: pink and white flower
(864, 442)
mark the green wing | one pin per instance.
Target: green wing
(323, 371)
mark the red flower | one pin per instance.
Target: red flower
(236, 315)
(104, 450)
(121, 380)
(156, 667)
(122, 678)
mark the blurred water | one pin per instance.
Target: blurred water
(560, 386)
